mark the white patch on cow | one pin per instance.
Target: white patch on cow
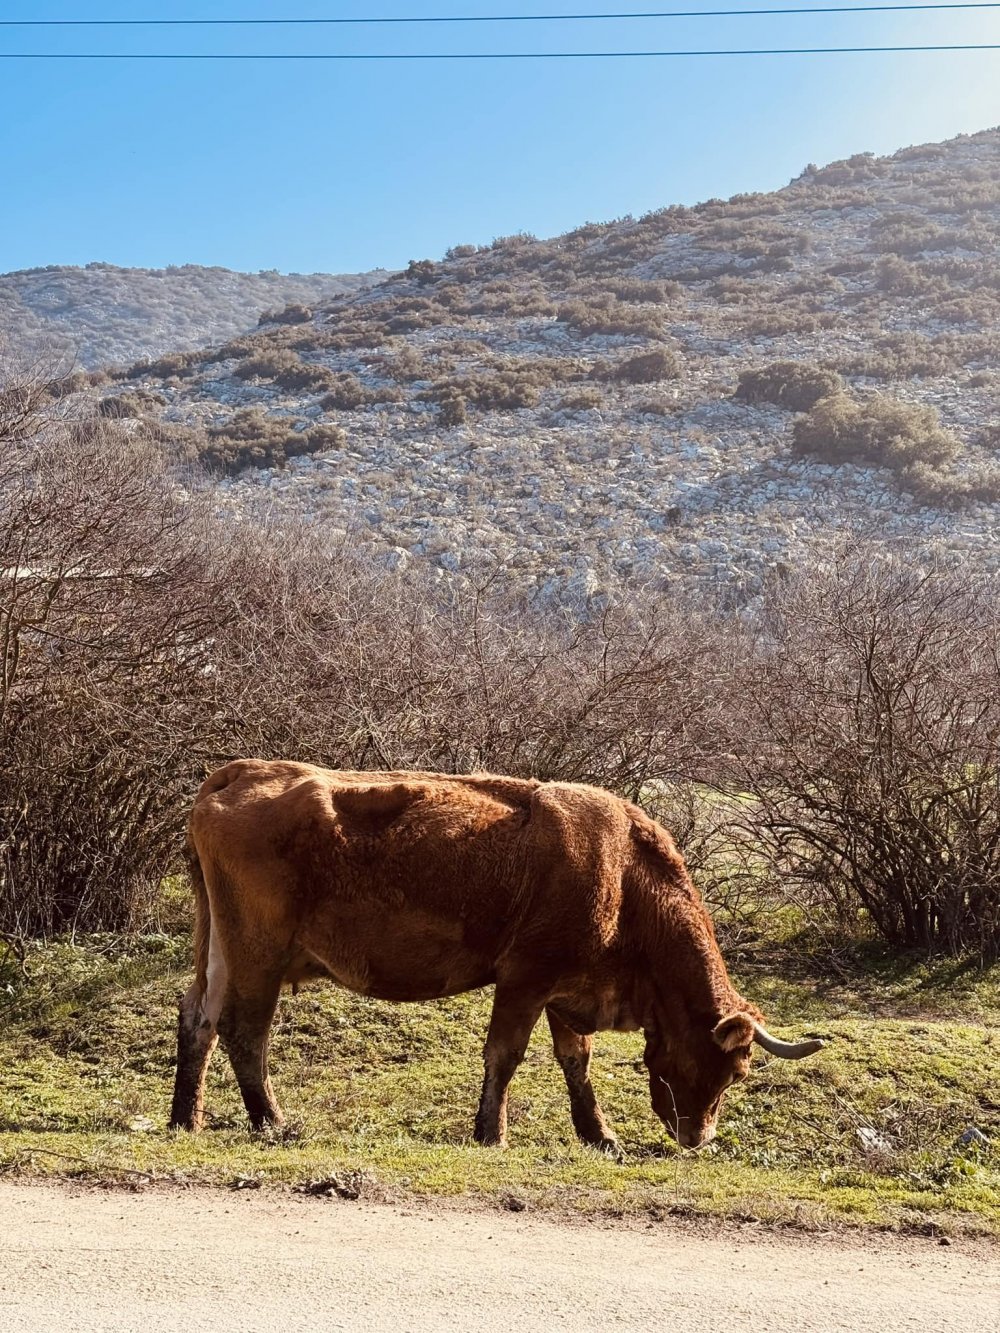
(215, 985)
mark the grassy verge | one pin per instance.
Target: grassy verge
(867, 1132)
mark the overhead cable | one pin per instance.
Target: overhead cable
(486, 55)
(492, 18)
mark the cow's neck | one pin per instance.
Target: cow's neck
(681, 967)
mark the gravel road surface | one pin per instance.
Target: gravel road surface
(254, 1261)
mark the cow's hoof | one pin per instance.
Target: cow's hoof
(611, 1148)
(485, 1139)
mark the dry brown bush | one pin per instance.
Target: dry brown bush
(900, 356)
(642, 291)
(106, 605)
(647, 368)
(135, 404)
(424, 271)
(267, 364)
(883, 432)
(252, 438)
(503, 385)
(583, 399)
(77, 381)
(659, 407)
(902, 278)
(406, 365)
(775, 322)
(607, 315)
(952, 490)
(523, 298)
(869, 746)
(307, 377)
(296, 313)
(347, 392)
(796, 385)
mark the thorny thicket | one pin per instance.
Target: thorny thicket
(144, 640)
(870, 694)
(839, 746)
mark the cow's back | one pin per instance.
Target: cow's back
(409, 884)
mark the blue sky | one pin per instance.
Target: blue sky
(339, 167)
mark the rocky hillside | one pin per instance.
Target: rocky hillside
(701, 394)
(102, 314)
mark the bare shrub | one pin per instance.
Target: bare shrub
(869, 746)
(268, 364)
(306, 376)
(77, 381)
(504, 385)
(406, 365)
(452, 409)
(900, 356)
(641, 291)
(105, 608)
(504, 391)
(659, 407)
(949, 490)
(178, 364)
(902, 278)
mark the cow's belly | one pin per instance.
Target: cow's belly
(400, 955)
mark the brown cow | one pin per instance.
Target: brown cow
(411, 886)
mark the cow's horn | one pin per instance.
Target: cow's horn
(786, 1050)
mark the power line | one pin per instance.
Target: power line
(489, 18)
(487, 55)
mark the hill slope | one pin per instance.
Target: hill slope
(105, 314)
(580, 408)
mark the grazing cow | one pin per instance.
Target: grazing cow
(411, 886)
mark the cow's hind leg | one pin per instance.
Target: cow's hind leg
(573, 1053)
(514, 1016)
(245, 1026)
(196, 1040)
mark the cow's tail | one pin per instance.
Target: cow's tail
(202, 915)
(195, 1038)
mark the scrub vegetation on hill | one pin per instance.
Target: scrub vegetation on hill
(102, 314)
(700, 396)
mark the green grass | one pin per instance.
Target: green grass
(866, 1132)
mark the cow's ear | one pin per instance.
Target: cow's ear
(733, 1031)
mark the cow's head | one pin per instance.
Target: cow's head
(690, 1072)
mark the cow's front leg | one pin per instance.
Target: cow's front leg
(573, 1053)
(515, 1014)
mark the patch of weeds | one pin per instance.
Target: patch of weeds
(869, 1131)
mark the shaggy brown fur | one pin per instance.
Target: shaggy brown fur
(410, 886)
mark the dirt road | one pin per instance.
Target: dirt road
(254, 1261)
